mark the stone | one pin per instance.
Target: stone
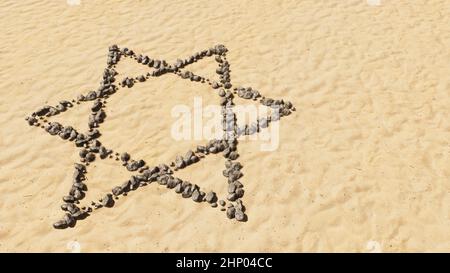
(186, 192)
(239, 192)
(133, 166)
(232, 197)
(196, 196)
(233, 155)
(178, 188)
(215, 85)
(80, 167)
(73, 135)
(61, 224)
(42, 111)
(69, 199)
(79, 185)
(117, 191)
(239, 215)
(97, 106)
(90, 157)
(134, 182)
(141, 78)
(69, 219)
(107, 201)
(222, 93)
(125, 157)
(222, 203)
(79, 214)
(163, 180)
(31, 120)
(83, 152)
(231, 188)
(231, 212)
(239, 205)
(104, 152)
(91, 95)
(211, 197)
(77, 194)
(179, 162)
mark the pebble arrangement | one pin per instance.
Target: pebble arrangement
(90, 147)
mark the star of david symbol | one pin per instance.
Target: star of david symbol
(91, 148)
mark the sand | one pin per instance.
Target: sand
(362, 165)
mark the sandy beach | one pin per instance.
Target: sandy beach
(362, 163)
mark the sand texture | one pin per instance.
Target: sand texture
(362, 165)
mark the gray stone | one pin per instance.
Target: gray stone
(179, 162)
(133, 166)
(211, 197)
(231, 212)
(231, 188)
(80, 167)
(104, 152)
(69, 199)
(90, 157)
(232, 197)
(124, 157)
(186, 192)
(215, 85)
(31, 120)
(117, 191)
(233, 155)
(61, 224)
(97, 106)
(141, 78)
(69, 219)
(178, 188)
(196, 196)
(239, 215)
(107, 201)
(77, 194)
(239, 192)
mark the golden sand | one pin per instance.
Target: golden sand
(363, 164)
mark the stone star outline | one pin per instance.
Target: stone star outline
(91, 148)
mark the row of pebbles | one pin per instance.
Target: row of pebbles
(91, 147)
(232, 167)
(88, 143)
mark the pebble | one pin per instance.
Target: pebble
(178, 188)
(179, 162)
(61, 224)
(239, 192)
(231, 212)
(186, 192)
(211, 197)
(117, 191)
(90, 157)
(239, 215)
(107, 201)
(196, 196)
(133, 166)
(215, 85)
(232, 197)
(69, 199)
(125, 157)
(222, 93)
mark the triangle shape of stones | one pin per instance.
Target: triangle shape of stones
(91, 148)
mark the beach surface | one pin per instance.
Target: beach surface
(362, 164)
